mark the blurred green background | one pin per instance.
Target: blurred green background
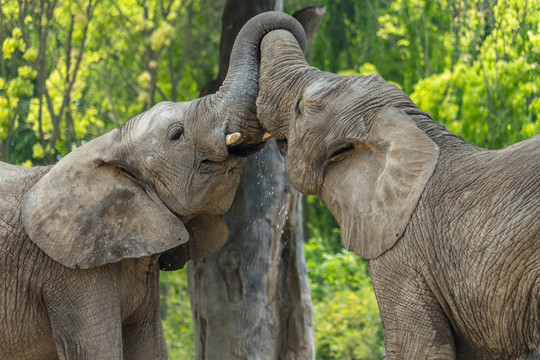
(73, 70)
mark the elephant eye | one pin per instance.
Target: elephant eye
(336, 152)
(342, 150)
(176, 134)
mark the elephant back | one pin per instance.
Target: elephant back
(14, 183)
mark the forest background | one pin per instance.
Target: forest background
(73, 70)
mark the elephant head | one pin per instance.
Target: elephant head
(351, 140)
(165, 177)
(133, 191)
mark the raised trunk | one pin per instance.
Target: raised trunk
(241, 85)
(283, 70)
(251, 299)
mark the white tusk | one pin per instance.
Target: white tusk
(267, 136)
(233, 139)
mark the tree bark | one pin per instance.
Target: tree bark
(251, 299)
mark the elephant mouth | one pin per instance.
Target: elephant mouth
(232, 164)
(245, 150)
(283, 146)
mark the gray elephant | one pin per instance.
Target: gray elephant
(451, 231)
(80, 241)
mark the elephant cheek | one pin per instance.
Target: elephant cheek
(222, 192)
(225, 195)
(303, 172)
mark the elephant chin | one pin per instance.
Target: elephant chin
(207, 233)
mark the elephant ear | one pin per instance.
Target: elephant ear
(207, 233)
(88, 211)
(381, 183)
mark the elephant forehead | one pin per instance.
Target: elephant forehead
(374, 91)
(325, 89)
(338, 95)
(318, 88)
(158, 119)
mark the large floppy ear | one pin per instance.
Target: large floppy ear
(207, 233)
(380, 185)
(89, 211)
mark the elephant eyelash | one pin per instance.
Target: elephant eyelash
(177, 134)
(340, 151)
(127, 173)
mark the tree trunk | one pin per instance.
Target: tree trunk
(251, 299)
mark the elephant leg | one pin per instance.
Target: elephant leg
(414, 323)
(142, 332)
(408, 335)
(85, 312)
(90, 329)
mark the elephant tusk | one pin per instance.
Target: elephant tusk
(267, 136)
(233, 139)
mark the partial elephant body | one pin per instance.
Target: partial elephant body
(465, 278)
(18, 254)
(50, 310)
(451, 231)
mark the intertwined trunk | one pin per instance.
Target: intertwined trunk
(251, 299)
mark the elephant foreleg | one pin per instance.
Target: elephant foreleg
(85, 314)
(89, 332)
(407, 340)
(143, 332)
(414, 324)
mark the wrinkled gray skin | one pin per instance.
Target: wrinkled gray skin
(451, 231)
(80, 241)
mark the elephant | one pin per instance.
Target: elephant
(451, 231)
(82, 241)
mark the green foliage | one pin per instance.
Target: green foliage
(176, 314)
(346, 316)
(320, 224)
(491, 97)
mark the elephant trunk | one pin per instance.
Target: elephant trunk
(241, 86)
(284, 74)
